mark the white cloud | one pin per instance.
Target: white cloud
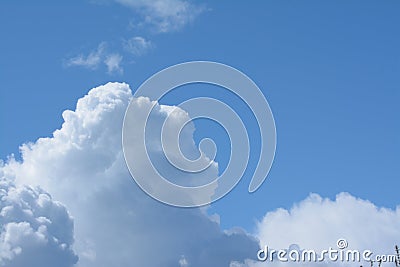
(160, 16)
(113, 63)
(96, 58)
(164, 15)
(317, 223)
(137, 45)
(116, 224)
(364, 225)
(91, 61)
(183, 262)
(35, 230)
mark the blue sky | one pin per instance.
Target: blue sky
(329, 70)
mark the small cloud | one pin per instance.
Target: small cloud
(91, 61)
(137, 45)
(159, 16)
(164, 15)
(96, 58)
(113, 63)
(183, 262)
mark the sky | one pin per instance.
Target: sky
(329, 70)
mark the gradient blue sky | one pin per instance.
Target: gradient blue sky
(329, 69)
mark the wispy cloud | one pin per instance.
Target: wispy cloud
(96, 58)
(137, 45)
(113, 63)
(158, 16)
(91, 61)
(164, 15)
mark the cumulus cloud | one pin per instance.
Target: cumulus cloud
(116, 224)
(35, 230)
(164, 15)
(96, 58)
(317, 223)
(364, 225)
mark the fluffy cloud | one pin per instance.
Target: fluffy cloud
(35, 230)
(364, 225)
(116, 224)
(164, 15)
(317, 223)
